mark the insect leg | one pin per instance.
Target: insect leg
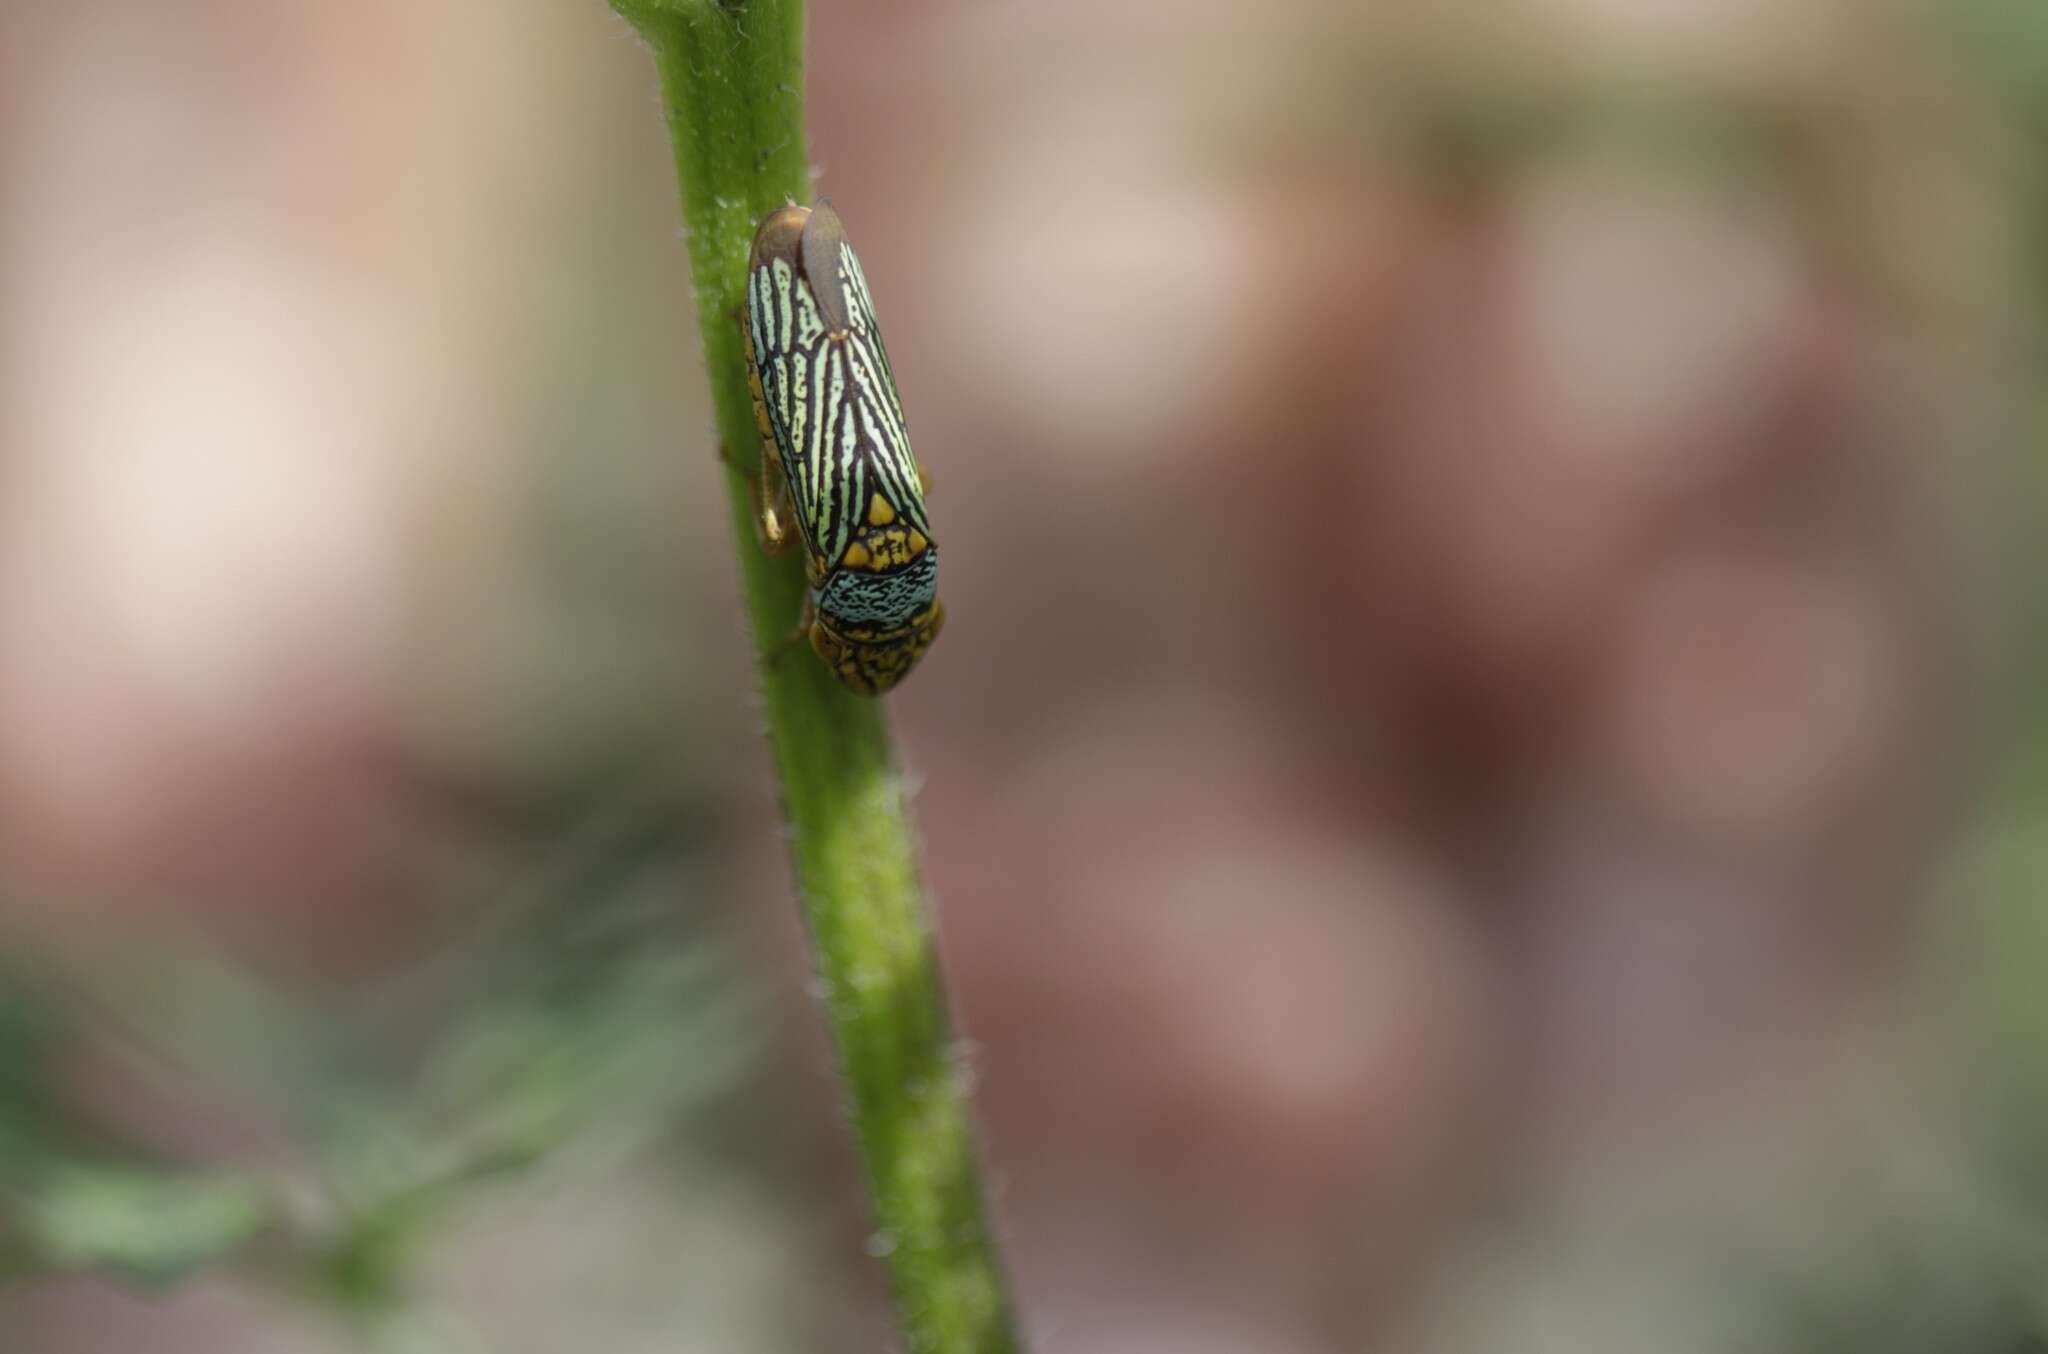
(778, 511)
(773, 510)
(776, 537)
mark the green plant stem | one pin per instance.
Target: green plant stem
(732, 88)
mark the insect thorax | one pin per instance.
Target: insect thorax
(879, 603)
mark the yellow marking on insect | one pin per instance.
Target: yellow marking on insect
(885, 548)
(880, 514)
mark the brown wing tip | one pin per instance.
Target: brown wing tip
(824, 235)
(780, 235)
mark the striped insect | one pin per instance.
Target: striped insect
(835, 453)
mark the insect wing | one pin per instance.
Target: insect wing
(787, 338)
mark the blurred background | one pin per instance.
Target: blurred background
(1484, 785)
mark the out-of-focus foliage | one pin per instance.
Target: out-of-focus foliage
(136, 1224)
(574, 1033)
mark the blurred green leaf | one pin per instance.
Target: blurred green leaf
(146, 1226)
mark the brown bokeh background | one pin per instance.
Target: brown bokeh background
(1478, 784)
